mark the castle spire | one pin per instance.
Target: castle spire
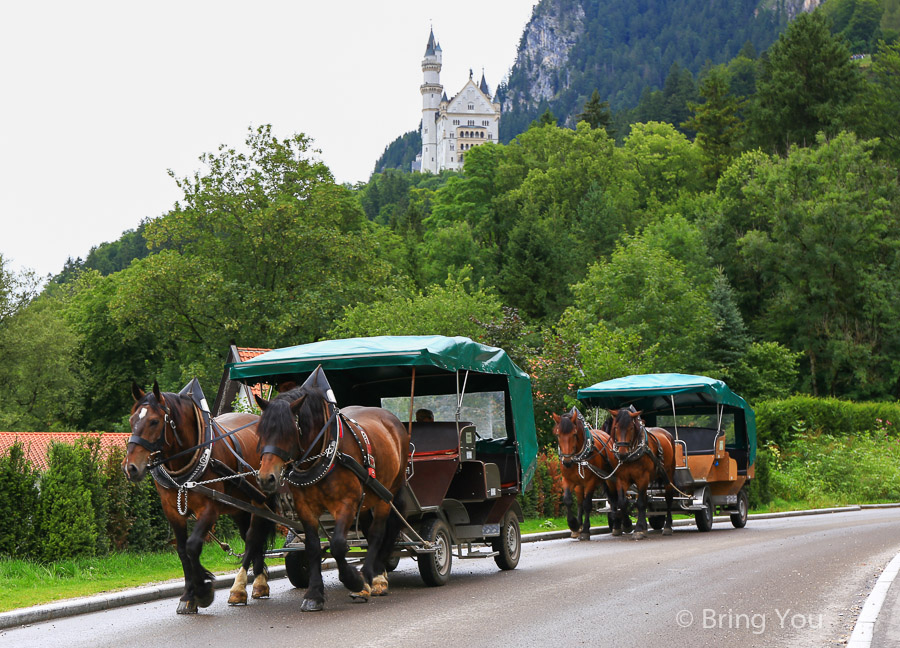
(429, 48)
(483, 85)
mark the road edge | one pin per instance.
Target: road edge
(864, 630)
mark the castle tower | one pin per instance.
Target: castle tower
(432, 92)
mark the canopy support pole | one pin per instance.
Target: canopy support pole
(674, 417)
(412, 396)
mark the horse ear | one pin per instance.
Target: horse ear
(574, 416)
(635, 414)
(555, 417)
(297, 404)
(158, 394)
(262, 402)
(136, 391)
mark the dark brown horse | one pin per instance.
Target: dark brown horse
(170, 425)
(638, 456)
(584, 468)
(370, 455)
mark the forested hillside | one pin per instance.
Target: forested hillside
(764, 249)
(620, 48)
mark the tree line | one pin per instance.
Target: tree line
(762, 250)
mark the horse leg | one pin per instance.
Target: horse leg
(348, 574)
(570, 514)
(238, 593)
(186, 604)
(373, 570)
(616, 498)
(640, 529)
(203, 580)
(670, 495)
(314, 600)
(261, 530)
(587, 503)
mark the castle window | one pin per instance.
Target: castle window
(471, 106)
(484, 122)
(451, 158)
(471, 122)
(490, 136)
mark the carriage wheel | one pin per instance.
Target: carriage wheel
(656, 522)
(704, 518)
(509, 545)
(739, 519)
(297, 569)
(434, 567)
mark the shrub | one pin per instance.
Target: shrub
(118, 490)
(759, 490)
(544, 498)
(67, 521)
(18, 503)
(779, 420)
(149, 529)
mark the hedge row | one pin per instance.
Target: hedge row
(779, 421)
(82, 505)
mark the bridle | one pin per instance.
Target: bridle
(155, 447)
(627, 451)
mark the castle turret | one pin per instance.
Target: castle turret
(432, 92)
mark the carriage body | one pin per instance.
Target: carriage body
(715, 438)
(466, 466)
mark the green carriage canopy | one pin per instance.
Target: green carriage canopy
(362, 371)
(656, 392)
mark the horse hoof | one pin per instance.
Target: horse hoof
(238, 597)
(584, 536)
(186, 607)
(205, 599)
(640, 535)
(667, 531)
(309, 605)
(380, 586)
(261, 591)
(617, 532)
(363, 595)
(575, 534)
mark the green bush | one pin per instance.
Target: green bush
(68, 525)
(779, 421)
(118, 489)
(824, 469)
(149, 530)
(759, 490)
(544, 498)
(18, 503)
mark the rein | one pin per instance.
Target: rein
(163, 460)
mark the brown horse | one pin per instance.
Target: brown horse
(167, 425)
(584, 468)
(339, 476)
(639, 456)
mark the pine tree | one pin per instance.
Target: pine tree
(67, 521)
(597, 114)
(719, 129)
(18, 503)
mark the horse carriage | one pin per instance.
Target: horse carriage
(460, 472)
(713, 434)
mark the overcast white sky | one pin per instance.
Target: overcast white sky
(99, 99)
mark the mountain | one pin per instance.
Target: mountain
(620, 47)
(401, 152)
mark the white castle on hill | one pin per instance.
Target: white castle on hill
(450, 127)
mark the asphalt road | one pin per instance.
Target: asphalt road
(782, 582)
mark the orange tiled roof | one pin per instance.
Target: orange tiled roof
(245, 353)
(37, 444)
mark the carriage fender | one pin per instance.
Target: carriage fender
(515, 508)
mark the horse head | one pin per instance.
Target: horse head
(151, 417)
(279, 436)
(625, 430)
(569, 433)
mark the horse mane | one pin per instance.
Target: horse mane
(277, 421)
